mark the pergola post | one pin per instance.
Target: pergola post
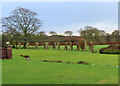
(27, 45)
(58, 45)
(36, 45)
(46, 45)
(66, 46)
(78, 48)
(71, 46)
(54, 45)
(19, 46)
(91, 46)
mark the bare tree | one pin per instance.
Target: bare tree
(22, 21)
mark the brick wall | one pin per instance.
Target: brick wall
(6, 53)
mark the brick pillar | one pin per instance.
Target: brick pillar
(78, 48)
(27, 45)
(19, 46)
(54, 45)
(46, 45)
(36, 45)
(91, 46)
(58, 45)
(6, 53)
(9, 52)
(71, 46)
(66, 45)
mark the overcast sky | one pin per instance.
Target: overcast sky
(62, 16)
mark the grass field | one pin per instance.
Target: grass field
(20, 71)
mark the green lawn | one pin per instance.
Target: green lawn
(20, 71)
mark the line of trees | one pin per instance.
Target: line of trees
(23, 25)
(93, 34)
(90, 34)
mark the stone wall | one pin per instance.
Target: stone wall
(6, 53)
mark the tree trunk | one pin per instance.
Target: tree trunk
(16, 45)
(78, 48)
(27, 45)
(24, 46)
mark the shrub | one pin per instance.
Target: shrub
(111, 49)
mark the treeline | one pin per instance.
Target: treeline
(99, 36)
(89, 33)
